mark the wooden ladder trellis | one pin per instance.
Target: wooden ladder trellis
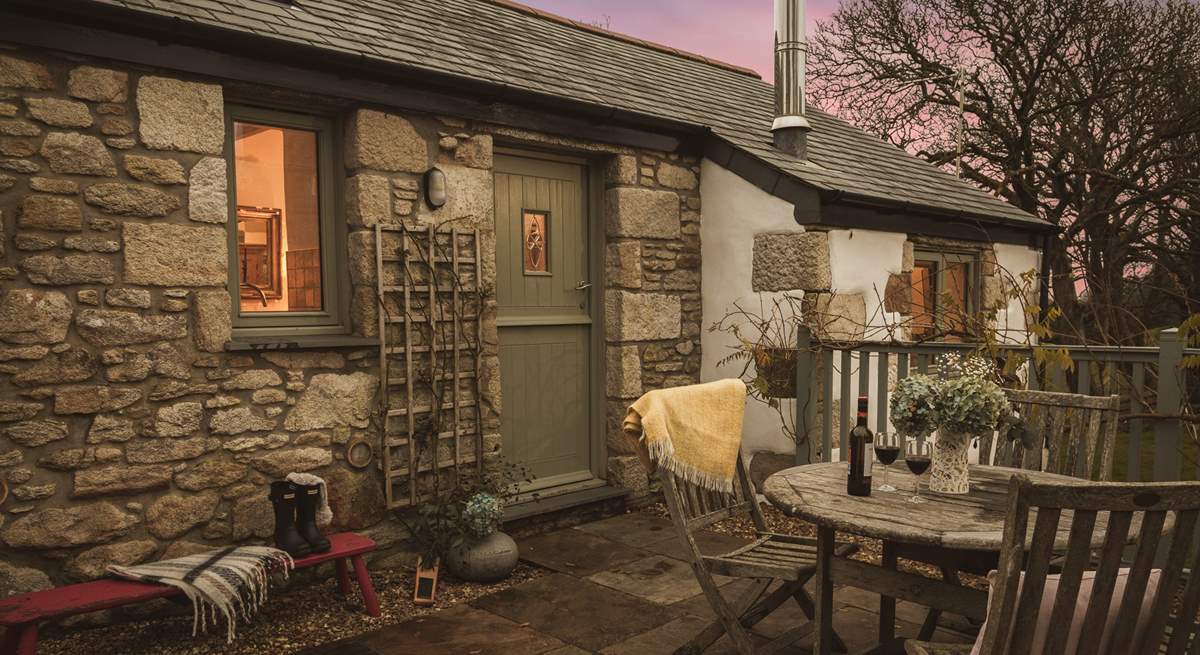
(429, 307)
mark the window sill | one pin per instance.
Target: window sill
(305, 342)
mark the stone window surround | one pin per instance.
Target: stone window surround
(335, 319)
(985, 281)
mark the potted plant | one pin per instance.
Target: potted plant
(483, 553)
(464, 511)
(964, 403)
(970, 402)
(766, 338)
(966, 406)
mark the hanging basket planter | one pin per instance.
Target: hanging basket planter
(776, 371)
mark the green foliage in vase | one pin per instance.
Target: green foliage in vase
(912, 405)
(482, 515)
(970, 405)
(442, 518)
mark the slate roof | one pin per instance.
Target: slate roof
(497, 42)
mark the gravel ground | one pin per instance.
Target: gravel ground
(299, 615)
(305, 613)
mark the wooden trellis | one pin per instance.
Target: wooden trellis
(429, 351)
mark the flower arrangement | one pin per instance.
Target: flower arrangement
(953, 365)
(970, 405)
(482, 515)
(912, 405)
(965, 399)
(965, 402)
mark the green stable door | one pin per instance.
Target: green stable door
(544, 319)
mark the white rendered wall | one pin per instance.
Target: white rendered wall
(861, 261)
(733, 210)
(1013, 261)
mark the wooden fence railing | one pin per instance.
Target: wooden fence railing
(1156, 440)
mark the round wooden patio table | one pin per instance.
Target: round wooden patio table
(971, 524)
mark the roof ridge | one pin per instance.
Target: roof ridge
(618, 36)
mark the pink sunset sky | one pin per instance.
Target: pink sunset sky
(733, 31)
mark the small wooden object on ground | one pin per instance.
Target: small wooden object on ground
(20, 615)
(425, 585)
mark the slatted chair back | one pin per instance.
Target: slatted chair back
(1072, 509)
(695, 508)
(1077, 432)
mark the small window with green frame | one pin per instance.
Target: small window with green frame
(285, 244)
(945, 291)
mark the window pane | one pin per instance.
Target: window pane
(955, 288)
(924, 297)
(279, 237)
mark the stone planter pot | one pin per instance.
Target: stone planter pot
(489, 559)
(949, 472)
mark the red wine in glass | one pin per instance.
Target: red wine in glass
(887, 449)
(918, 457)
(918, 465)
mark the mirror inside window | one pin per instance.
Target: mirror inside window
(278, 220)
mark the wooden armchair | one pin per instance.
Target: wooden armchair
(1015, 604)
(770, 557)
(1078, 432)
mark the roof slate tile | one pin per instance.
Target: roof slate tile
(501, 44)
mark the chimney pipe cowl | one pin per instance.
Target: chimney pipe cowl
(790, 128)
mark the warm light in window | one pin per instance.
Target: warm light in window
(279, 238)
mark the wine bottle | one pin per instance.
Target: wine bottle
(858, 482)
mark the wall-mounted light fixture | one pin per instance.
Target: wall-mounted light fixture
(435, 187)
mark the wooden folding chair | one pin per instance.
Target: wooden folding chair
(769, 558)
(1170, 625)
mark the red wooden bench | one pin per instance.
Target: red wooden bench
(20, 615)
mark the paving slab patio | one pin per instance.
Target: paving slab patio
(657, 578)
(462, 629)
(577, 611)
(576, 552)
(620, 586)
(637, 529)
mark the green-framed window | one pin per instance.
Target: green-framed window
(286, 268)
(945, 291)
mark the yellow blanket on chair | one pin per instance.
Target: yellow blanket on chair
(693, 431)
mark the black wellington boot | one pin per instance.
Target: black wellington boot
(308, 499)
(285, 499)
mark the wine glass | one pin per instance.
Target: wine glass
(917, 456)
(887, 449)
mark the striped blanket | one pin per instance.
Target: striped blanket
(231, 581)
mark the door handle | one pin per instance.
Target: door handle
(583, 286)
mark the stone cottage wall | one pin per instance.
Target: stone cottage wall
(652, 295)
(127, 431)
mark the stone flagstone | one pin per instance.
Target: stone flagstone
(576, 611)
(634, 529)
(658, 579)
(576, 552)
